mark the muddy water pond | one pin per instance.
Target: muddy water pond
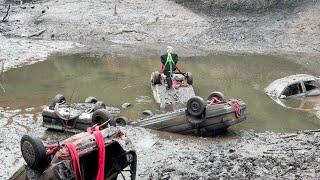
(119, 80)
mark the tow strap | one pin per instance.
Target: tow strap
(237, 108)
(101, 155)
(101, 150)
(234, 104)
(75, 161)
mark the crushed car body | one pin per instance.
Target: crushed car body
(77, 117)
(293, 87)
(199, 117)
(100, 153)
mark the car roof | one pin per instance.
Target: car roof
(277, 86)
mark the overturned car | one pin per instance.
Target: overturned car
(297, 86)
(100, 153)
(77, 117)
(200, 117)
(180, 91)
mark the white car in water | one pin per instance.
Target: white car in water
(297, 86)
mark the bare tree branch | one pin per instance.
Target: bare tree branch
(7, 13)
(1, 76)
(115, 8)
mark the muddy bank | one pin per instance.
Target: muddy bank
(241, 5)
(16, 52)
(100, 24)
(248, 155)
(240, 155)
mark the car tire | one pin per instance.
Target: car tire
(155, 78)
(216, 94)
(34, 153)
(59, 98)
(100, 116)
(119, 121)
(91, 99)
(99, 105)
(189, 78)
(196, 106)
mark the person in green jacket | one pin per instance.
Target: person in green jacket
(169, 65)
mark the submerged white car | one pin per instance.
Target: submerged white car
(293, 87)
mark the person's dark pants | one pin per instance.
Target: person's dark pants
(168, 79)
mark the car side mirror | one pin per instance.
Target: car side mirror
(283, 96)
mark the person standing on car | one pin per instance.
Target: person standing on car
(169, 62)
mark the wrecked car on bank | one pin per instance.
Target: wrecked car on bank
(200, 117)
(297, 86)
(100, 153)
(77, 117)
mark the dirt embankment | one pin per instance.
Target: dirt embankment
(251, 26)
(241, 5)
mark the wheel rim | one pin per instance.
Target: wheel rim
(195, 106)
(28, 152)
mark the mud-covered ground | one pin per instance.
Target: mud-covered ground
(236, 155)
(102, 25)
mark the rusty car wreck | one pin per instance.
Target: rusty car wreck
(100, 153)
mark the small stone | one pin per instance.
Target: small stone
(231, 150)
(126, 105)
(165, 177)
(29, 109)
(147, 113)
(212, 158)
(169, 170)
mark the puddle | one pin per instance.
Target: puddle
(119, 80)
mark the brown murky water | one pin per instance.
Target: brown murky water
(119, 80)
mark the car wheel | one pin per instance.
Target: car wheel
(119, 121)
(100, 116)
(189, 78)
(90, 99)
(216, 94)
(59, 98)
(34, 153)
(196, 106)
(99, 105)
